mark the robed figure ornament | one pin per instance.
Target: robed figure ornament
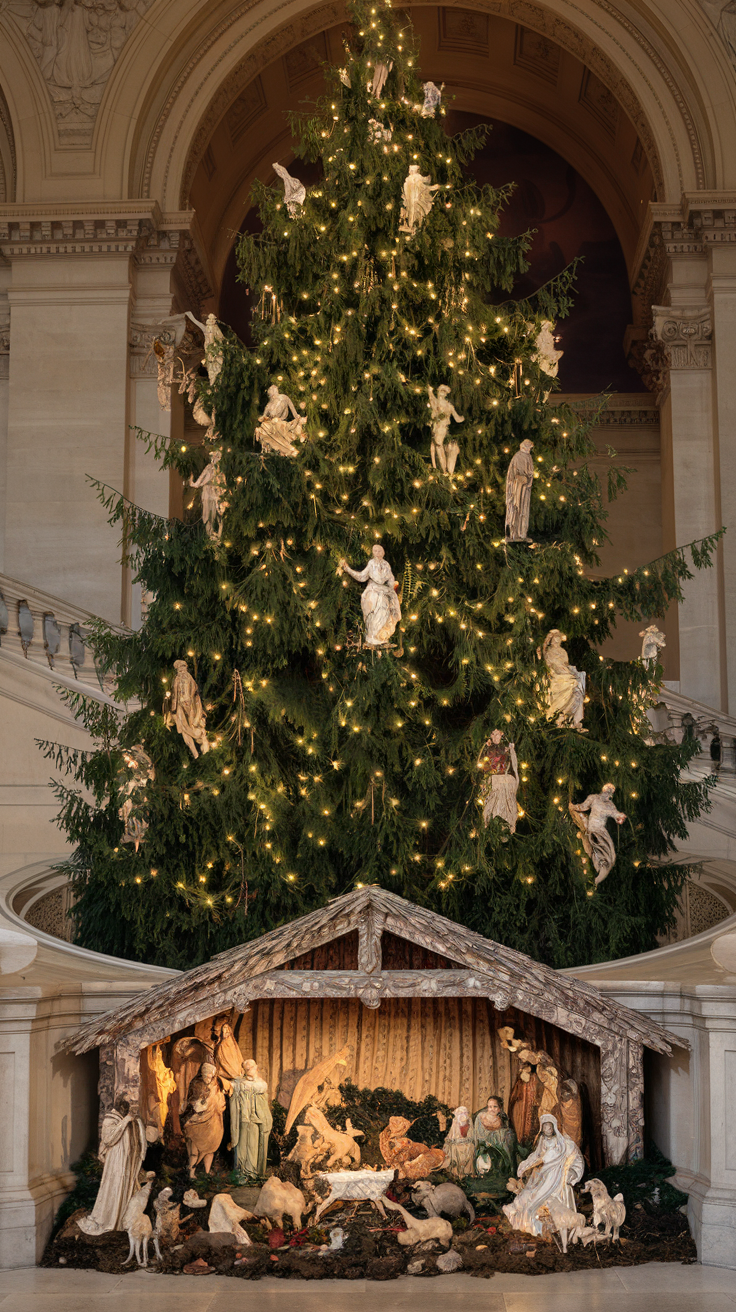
(591, 818)
(250, 1121)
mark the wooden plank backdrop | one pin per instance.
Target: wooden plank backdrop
(448, 1047)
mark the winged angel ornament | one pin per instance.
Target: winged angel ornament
(418, 199)
(294, 191)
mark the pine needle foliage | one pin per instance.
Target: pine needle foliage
(335, 766)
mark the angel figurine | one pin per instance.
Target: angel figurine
(379, 602)
(546, 354)
(442, 412)
(380, 73)
(133, 776)
(566, 690)
(654, 640)
(276, 432)
(432, 99)
(213, 341)
(595, 836)
(185, 711)
(418, 199)
(211, 483)
(519, 479)
(294, 191)
(164, 354)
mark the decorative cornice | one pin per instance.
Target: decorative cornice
(100, 228)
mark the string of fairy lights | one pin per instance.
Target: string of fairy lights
(436, 324)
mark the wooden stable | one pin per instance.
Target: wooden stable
(418, 999)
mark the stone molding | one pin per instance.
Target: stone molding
(135, 228)
(4, 351)
(622, 411)
(686, 334)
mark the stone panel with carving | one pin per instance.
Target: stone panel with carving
(462, 30)
(76, 46)
(685, 334)
(601, 102)
(536, 53)
(246, 109)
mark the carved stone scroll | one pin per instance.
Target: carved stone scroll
(636, 1102)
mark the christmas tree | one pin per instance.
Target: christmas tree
(336, 746)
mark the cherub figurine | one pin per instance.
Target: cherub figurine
(294, 191)
(442, 412)
(595, 836)
(418, 199)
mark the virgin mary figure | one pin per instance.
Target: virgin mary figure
(554, 1165)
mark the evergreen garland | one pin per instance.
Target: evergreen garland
(334, 766)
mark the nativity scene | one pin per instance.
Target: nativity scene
(371, 1055)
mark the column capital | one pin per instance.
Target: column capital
(686, 334)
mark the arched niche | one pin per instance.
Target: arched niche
(492, 67)
(551, 198)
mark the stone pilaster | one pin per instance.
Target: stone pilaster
(79, 275)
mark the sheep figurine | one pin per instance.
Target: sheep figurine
(276, 1199)
(607, 1211)
(137, 1224)
(438, 1199)
(420, 1229)
(566, 1222)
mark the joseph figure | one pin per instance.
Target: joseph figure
(250, 1121)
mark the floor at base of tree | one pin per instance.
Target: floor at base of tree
(657, 1287)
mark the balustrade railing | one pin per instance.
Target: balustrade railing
(51, 634)
(676, 717)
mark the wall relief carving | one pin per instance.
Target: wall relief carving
(722, 14)
(76, 44)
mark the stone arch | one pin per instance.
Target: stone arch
(8, 165)
(642, 64)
